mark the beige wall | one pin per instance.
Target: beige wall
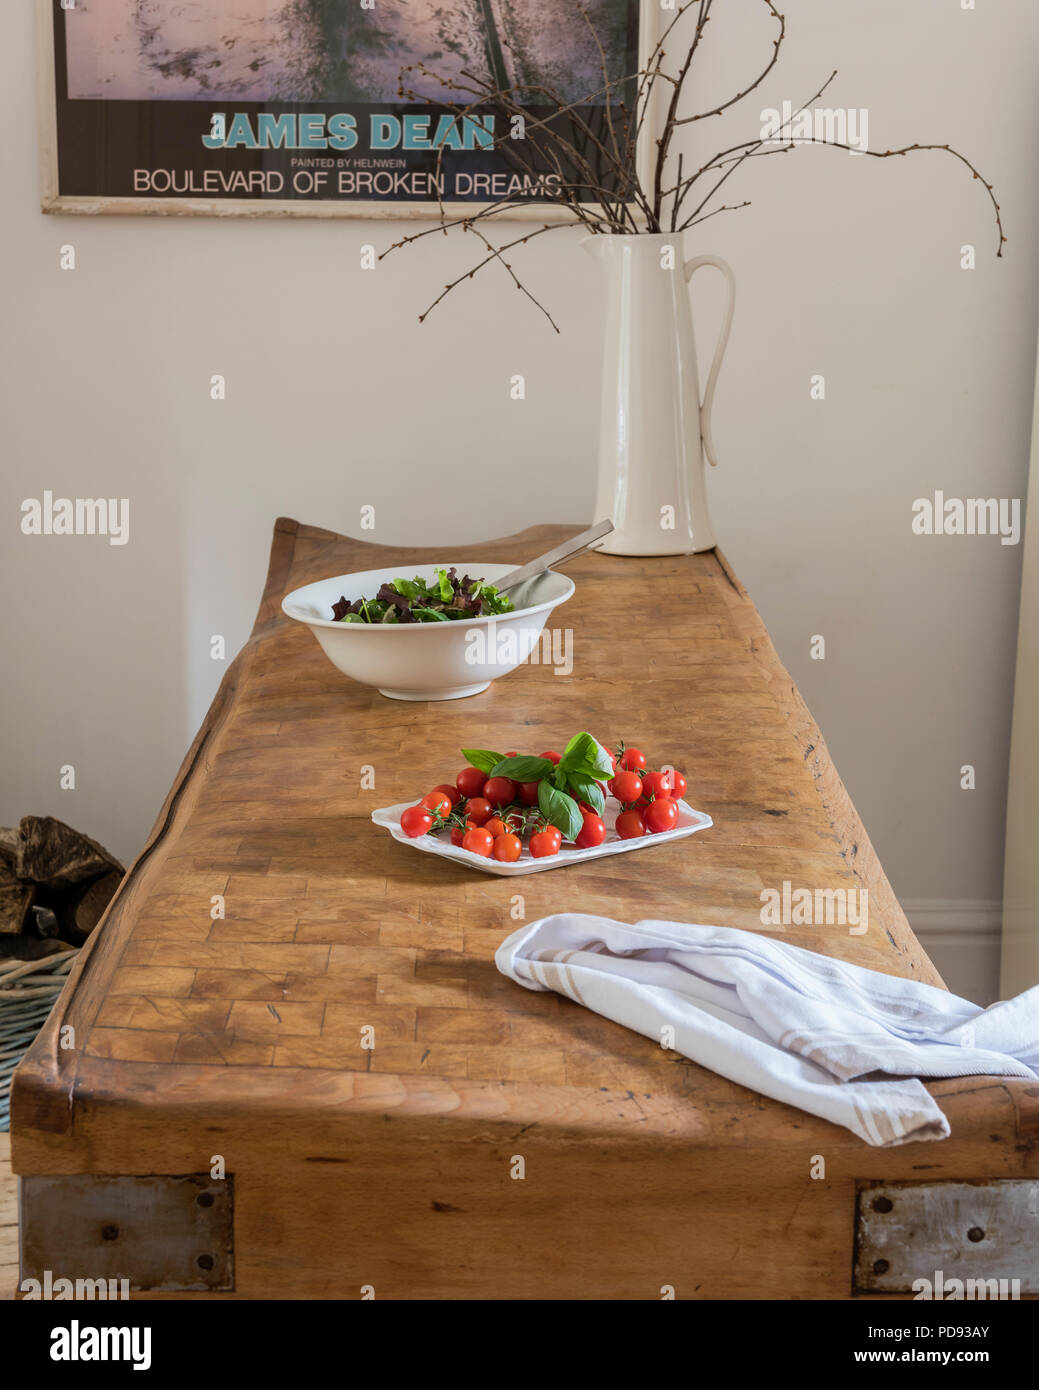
(337, 398)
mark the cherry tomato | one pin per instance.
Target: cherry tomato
(479, 810)
(552, 757)
(507, 848)
(513, 754)
(437, 802)
(499, 791)
(514, 823)
(416, 821)
(470, 781)
(627, 786)
(544, 843)
(657, 784)
(527, 793)
(457, 834)
(613, 760)
(629, 825)
(478, 841)
(661, 815)
(495, 825)
(633, 760)
(593, 832)
(679, 784)
(452, 793)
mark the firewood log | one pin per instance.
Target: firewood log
(15, 900)
(82, 914)
(53, 854)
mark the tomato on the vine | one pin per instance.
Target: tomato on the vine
(478, 841)
(592, 833)
(470, 781)
(437, 802)
(416, 821)
(627, 786)
(479, 810)
(499, 791)
(657, 784)
(661, 815)
(452, 793)
(497, 813)
(545, 842)
(629, 825)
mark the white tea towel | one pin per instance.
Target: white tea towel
(803, 1028)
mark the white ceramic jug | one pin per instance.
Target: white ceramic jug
(654, 430)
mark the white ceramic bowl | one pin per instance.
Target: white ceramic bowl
(428, 661)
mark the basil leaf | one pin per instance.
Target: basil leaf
(585, 754)
(559, 777)
(481, 758)
(522, 769)
(587, 789)
(560, 810)
(432, 614)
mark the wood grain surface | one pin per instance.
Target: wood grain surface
(242, 1035)
(8, 1223)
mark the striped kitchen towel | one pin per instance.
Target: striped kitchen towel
(834, 1039)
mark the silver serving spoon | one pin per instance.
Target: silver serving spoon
(564, 551)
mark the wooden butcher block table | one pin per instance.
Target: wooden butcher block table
(189, 1044)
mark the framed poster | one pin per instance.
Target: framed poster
(318, 108)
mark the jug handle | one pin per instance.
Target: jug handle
(723, 337)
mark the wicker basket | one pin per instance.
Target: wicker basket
(28, 990)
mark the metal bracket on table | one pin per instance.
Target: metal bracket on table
(985, 1231)
(173, 1234)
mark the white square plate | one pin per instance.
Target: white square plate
(689, 822)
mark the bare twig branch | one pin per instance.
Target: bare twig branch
(584, 153)
(724, 106)
(726, 207)
(495, 254)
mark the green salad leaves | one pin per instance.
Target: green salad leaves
(439, 600)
